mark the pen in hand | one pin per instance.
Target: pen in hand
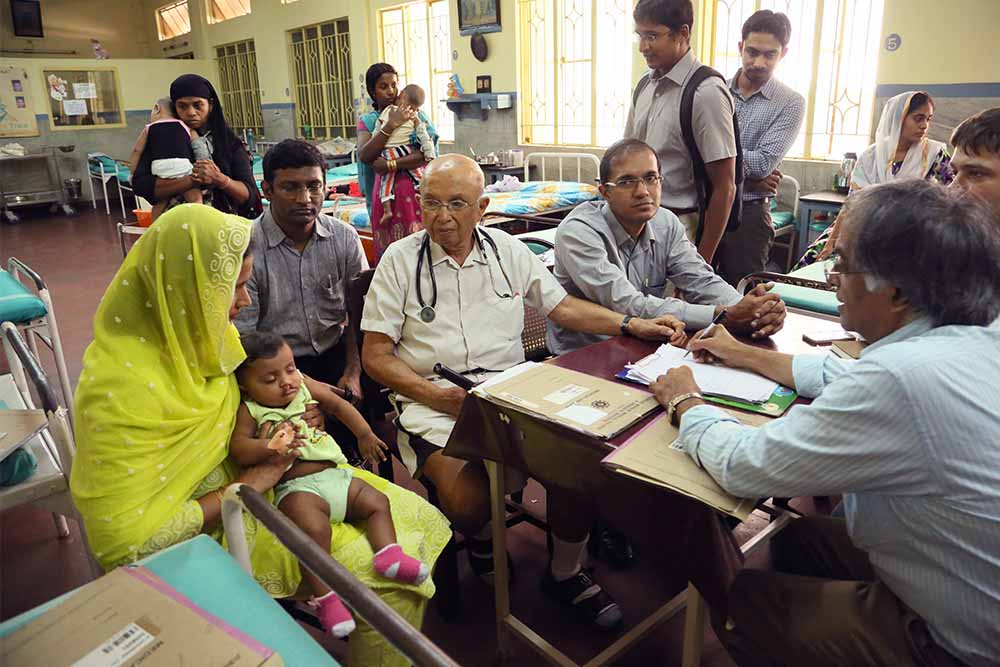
(707, 331)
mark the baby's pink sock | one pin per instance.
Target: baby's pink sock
(333, 615)
(392, 563)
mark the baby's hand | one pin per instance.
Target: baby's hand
(283, 438)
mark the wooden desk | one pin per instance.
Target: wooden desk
(698, 544)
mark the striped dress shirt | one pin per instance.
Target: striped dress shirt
(769, 123)
(910, 434)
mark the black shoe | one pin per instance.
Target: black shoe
(611, 546)
(481, 560)
(586, 596)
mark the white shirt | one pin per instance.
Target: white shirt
(473, 327)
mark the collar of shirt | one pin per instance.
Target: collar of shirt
(438, 254)
(909, 330)
(274, 234)
(622, 237)
(766, 91)
(679, 72)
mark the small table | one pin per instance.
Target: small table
(495, 172)
(826, 201)
(554, 455)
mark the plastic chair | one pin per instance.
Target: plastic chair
(48, 486)
(33, 312)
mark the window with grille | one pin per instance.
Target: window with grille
(576, 64)
(173, 20)
(416, 40)
(831, 61)
(239, 87)
(321, 80)
(223, 10)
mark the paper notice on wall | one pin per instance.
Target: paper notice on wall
(85, 91)
(75, 107)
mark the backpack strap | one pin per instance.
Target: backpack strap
(703, 185)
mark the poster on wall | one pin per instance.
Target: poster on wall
(17, 114)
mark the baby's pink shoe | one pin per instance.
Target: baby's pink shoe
(333, 615)
(392, 563)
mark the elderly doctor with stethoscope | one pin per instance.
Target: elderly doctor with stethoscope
(455, 294)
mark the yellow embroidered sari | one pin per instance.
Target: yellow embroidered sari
(156, 404)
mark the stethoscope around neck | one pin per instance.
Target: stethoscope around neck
(427, 312)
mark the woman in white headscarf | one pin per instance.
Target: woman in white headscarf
(901, 150)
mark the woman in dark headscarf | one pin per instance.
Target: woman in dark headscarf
(229, 174)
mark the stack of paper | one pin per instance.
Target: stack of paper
(714, 380)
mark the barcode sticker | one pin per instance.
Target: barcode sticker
(119, 649)
(678, 445)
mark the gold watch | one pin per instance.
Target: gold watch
(677, 400)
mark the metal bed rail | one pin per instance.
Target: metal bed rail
(397, 630)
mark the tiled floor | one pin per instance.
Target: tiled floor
(78, 257)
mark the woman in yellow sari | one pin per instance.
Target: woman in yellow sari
(155, 407)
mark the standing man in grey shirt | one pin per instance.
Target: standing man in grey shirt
(302, 267)
(770, 115)
(663, 28)
(621, 252)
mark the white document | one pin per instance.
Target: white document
(85, 91)
(75, 107)
(713, 379)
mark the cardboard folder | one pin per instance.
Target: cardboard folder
(654, 455)
(128, 618)
(582, 402)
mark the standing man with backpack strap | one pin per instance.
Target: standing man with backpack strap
(684, 110)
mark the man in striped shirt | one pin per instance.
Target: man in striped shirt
(770, 114)
(908, 434)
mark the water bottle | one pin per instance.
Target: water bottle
(842, 179)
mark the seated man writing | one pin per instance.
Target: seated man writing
(455, 294)
(908, 433)
(626, 253)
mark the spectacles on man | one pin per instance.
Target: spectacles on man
(453, 206)
(833, 269)
(629, 183)
(297, 188)
(648, 37)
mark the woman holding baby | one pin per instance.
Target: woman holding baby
(226, 178)
(395, 214)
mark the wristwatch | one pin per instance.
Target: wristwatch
(677, 400)
(624, 325)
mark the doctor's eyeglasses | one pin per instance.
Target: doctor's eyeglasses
(650, 180)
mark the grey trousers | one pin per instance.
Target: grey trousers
(745, 250)
(823, 607)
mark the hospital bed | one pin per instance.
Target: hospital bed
(104, 169)
(804, 290)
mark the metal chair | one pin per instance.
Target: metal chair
(54, 448)
(133, 230)
(784, 219)
(34, 314)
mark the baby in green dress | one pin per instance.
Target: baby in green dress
(318, 488)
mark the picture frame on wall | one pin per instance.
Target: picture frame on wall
(478, 16)
(26, 17)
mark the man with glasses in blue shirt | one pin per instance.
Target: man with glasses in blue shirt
(770, 115)
(627, 254)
